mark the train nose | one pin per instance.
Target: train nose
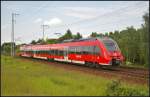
(116, 58)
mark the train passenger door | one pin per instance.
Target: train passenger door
(96, 53)
(66, 54)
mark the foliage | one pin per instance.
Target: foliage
(51, 41)
(67, 35)
(115, 88)
(78, 36)
(6, 48)
(33, 42)
(94, 34)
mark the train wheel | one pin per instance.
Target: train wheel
(50, 60)
(92, 65)
(97, 66)
(87, 64)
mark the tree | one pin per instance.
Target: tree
(51, 41)
(101, 35)
(77, 36)
(94, 34)
(106, 34)
(40, 40)
(67, 35)
(145, 30)
(33, 42)
(111, 34)
(6, 48)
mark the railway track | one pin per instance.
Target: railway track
(140, 73)
(133, 74)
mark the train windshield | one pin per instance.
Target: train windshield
(111, 45)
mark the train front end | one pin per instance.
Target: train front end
(112, 52)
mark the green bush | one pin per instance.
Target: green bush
(115, 88)
(128, 63)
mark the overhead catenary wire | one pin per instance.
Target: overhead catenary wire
(97, 17)
(67, 25)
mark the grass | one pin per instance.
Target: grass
(20, 77)
(134, 65)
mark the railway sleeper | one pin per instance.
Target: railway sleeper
(92, 65)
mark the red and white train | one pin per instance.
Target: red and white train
(91, 51)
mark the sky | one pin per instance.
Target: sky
(78, 16)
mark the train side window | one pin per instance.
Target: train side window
(54, 52)
(90, 49)
(60, 52)
(45, 51)
(37, 52)
(72, 50)
(97, 50)
(57, 52)
(78, 50)
(49, 51)
(85, 50)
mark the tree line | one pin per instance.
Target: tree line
(133, 42)
(67, 35)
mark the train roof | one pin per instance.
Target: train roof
(77, 40)
(71, 42)
(87, 39)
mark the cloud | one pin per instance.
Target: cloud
(86, 12)
(4, 26)
(38, 20)
(53, 21)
